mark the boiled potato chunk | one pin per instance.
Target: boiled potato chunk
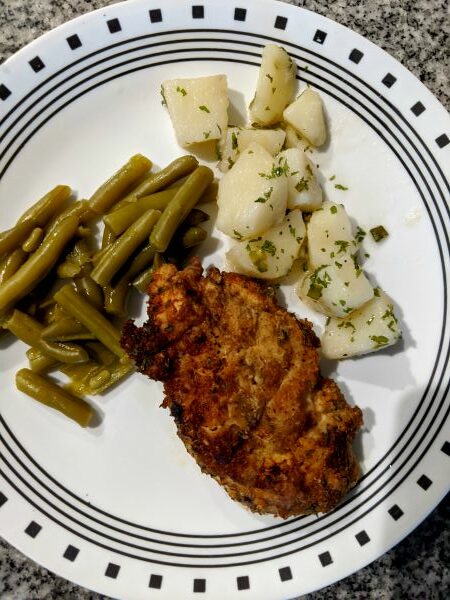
(304, 191)
(238, 139)
(272, 254)
(306, 115)
(329, 234)
(252, 196)
(294, 139)
(372, 327)
(336, 289)
(275, 87)
(197, 107)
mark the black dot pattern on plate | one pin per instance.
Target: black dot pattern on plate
(424, 482)
(285, 573)
(114, 25)
(243, 582)
(240, 14)
(395, 512)
(417, 109)
(155, 15)
(319, 36)
(389, 80)
(280, 22)
(74, 42)
(112, 570)
(442, 141)
(155, 581)
(355, 55)
(325, 559)
(3, 499)
(36, 64)
(199, 586)
(198, 12)
(71, 553)
(4, 92)
(33, 529)
(362, 538)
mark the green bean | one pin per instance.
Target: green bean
(79, 209)
(66, 329)
(116, 297)
(210, 194)
(33, 240)
(67, 270)
(108, 237)
(101, 354)
(30, 331)
(157, 181)
(193, 236)
(81, 253)
(83, 231)
(44, 390)
(11, 264)
(179, 207)
(87, 287)
(195, 217)
(142, 260)
(122, 218)
(90, 317)
(114, 189)
(38, 265)
(121, 250)
(37, 215)
(39, 362)
(142, 281)
(93, 378)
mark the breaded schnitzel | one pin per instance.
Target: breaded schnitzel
(241, 379)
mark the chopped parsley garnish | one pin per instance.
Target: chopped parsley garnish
(269, 247)
(163, 96)
(230, 162)
(379, 233)
(379, 340)
(234, 141)
(267, 108)
(321, 280)
(333, 210)
(181, 91)
(219, 128)
(315, 291)
(258, 258)
(206, 134)
(204, 108)
(342, 245)
(269, 77)
(277, 171)
(263, 199)
(389, 315)
(274, 89)
(360, 235)
(237, 235)
(302, 185)
(332, 178)
(376, 292)
(339, 186)
(293, 232)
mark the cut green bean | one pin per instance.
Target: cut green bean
(94, 378)
(12, 264)
(46, 391)
(80, 210)
(179, 207)
(108, 237)
(121, 250)
(210, 194)
(162, 179)
(90, 290)
(33, 240)
(38, 265)
(142, 281)
(195, 217)
(141, 261)
(100, 353)
(37, 215)
(66, 329)
(40, 362)
(116, 297)
(125, 178)
(119, 220)
(30, 331)
(90, 317)
(67, 270)
(193, 236)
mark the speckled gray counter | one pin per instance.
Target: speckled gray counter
(417, 34)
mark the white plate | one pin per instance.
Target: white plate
(122, 508)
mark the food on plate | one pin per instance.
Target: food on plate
(306, 115)
(237, 139)
(379, 233)
(66, 298)
(241, 379)
(304, 191)
(270, 255)
(252, 196)
(197, 108)
(367, 329)
(275, 87)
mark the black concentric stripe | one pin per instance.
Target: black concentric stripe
(231, 32)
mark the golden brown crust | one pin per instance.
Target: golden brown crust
(241, 378)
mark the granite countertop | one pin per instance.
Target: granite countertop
(416, 32)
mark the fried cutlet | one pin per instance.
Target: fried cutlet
(241, 379)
